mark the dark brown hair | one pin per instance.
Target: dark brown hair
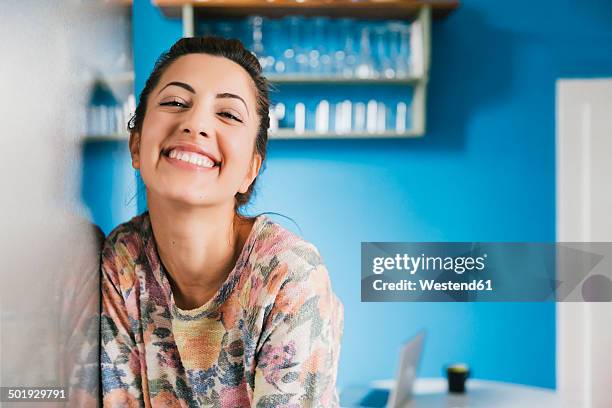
(232, 50)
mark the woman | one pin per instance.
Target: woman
(203, 306)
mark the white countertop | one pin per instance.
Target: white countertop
(433, 393)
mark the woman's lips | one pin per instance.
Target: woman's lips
(190, 156)
(190, 161)
(193, 150)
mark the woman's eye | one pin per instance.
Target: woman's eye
(173, 103)
(230, 116)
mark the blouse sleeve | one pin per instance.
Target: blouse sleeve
(119, 359)
(297, 362)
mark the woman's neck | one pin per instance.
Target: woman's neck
(198, 247)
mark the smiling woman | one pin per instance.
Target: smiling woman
(202, 305)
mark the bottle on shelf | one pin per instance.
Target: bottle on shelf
(343, 117)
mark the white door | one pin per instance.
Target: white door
(584, 214)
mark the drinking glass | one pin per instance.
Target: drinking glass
(294, 56)
(272, 36)
(383, 60)
(346, 61)
(365, 63)
(322, 64)
(402, 67)
(255, 23)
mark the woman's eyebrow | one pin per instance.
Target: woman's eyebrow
(181, 84)
(231, 95)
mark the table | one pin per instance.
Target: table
(432, 393)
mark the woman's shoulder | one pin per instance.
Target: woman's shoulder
(128, 231)
(276, 244)
(283, 262)
(288, 280)
(124, 246)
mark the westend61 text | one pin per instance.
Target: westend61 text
(432, 285)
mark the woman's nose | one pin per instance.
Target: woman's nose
(189, 131)
(198, 122)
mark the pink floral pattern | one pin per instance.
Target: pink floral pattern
(270, 337)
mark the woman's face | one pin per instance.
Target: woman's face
(198, 135)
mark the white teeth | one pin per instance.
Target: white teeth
(191, 157)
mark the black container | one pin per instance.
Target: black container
(457, 374)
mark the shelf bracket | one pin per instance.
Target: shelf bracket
(421, 34)
(188, 20)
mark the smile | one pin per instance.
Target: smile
(193, 158)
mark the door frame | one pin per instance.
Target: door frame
(581, 354)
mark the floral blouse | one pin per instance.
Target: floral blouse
(270, 337)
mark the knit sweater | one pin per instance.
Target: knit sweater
(269, 337)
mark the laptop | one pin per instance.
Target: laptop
(401, 391)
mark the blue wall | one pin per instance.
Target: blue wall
(485, 171)
(109, 187)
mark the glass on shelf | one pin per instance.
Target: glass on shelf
(300, 118)
(322, 47)
(273, 32)
(371, 116)
(294, 56)
(311, 48)
(384, 63)
(255, 44)
(347, 57)
(322, 26)
(365, 64)
(401, 117)
(399, 47)
(322, 117)
(343, 121)
(359, 117)
(280, 113)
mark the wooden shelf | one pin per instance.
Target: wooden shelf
(288, 134)
(372, 9)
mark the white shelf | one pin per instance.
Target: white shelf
(306, 79)
(286, 134)
(126, 77)
(117, 137)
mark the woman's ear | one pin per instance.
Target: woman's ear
(251, 174)
(135, 149)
